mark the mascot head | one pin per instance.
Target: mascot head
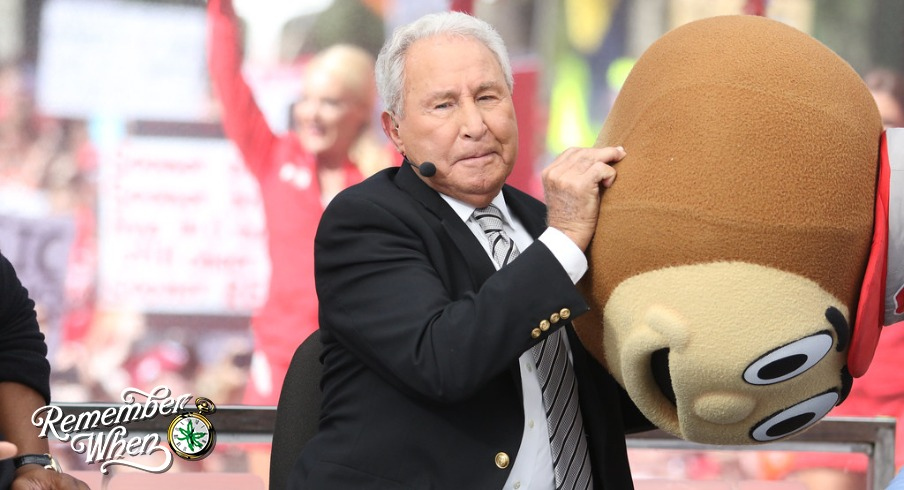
(730, 253)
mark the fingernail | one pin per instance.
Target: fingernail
(621, 148)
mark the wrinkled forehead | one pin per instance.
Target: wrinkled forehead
(450, 54)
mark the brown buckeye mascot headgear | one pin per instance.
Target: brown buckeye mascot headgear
(730, 252)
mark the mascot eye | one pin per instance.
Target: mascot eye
(789, 361)
(793, 419)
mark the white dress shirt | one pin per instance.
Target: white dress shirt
(533, 464)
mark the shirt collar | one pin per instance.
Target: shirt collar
(464, 210)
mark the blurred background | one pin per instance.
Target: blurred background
(131, 219)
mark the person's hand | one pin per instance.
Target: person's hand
(572, 188)
(34, 477)
(7, 450)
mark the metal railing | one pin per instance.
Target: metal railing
(873, 437)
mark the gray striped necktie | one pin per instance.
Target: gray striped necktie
(570, 458)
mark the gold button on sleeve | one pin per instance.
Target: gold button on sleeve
(544, 325)
(565, 313)
(535, 333)
(502, 460)
(554, 318)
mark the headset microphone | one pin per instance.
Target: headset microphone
(427, 169)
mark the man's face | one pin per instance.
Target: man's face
(458, 114)
(328, 116)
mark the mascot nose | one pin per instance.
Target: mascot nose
(670, 325)
(723, 408)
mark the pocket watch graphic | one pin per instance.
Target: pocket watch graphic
(191, 435)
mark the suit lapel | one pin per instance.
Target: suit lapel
(479, 263)
(530, 211)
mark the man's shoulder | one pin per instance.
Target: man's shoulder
(514, 192)
(379, 187)
(517, 197)
(380, 184)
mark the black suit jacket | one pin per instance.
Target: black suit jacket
(421, 336)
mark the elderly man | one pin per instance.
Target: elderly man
(446, 296)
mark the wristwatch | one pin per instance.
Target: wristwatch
(45, 460)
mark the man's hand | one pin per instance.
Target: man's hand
(34, 477)
(572, 188)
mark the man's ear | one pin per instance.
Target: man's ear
(391, 129)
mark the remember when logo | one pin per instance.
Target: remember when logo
(103, 438)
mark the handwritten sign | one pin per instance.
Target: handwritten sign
(181, 228)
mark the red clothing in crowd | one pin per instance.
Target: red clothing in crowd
(292, 206)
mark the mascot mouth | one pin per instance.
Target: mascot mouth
(659, 365)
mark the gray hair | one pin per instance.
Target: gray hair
(390, 66)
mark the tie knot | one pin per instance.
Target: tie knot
(489, 219)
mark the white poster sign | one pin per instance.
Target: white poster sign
(181, 228)
(133, 60)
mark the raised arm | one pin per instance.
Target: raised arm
(243, 120)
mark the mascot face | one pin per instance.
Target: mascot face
(730, 252)
(731, 380)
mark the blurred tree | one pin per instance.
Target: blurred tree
(866, 34)
(344, 21)
(887, 34)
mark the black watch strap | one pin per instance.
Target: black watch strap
(44, 460)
